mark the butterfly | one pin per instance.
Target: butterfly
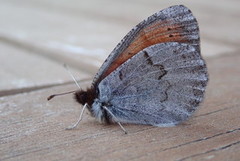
(155, 75)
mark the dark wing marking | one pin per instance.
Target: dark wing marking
(161, 85)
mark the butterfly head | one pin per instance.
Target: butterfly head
(85, 96)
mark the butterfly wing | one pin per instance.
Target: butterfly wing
(162, 85)
(173, 24)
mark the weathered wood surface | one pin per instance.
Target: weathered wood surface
(37, 37)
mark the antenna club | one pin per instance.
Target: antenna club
(50, 97)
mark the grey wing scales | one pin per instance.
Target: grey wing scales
(162, 85)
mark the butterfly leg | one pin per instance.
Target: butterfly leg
(125, 131)
(79, 119)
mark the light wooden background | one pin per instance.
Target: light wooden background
(38, 36)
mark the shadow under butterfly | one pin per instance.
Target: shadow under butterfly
(154, 76)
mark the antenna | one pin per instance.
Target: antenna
(84, 107)
(67, 69)
(59, 94)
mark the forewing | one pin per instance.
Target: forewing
(162, 85)
(173, 24)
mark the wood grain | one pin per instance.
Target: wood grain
(33, 129)
(37, 36)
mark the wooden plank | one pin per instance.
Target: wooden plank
(197, 148)
(86, 29)
(82, 34)
(34, 130)
(23, 70)
(221, 154)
